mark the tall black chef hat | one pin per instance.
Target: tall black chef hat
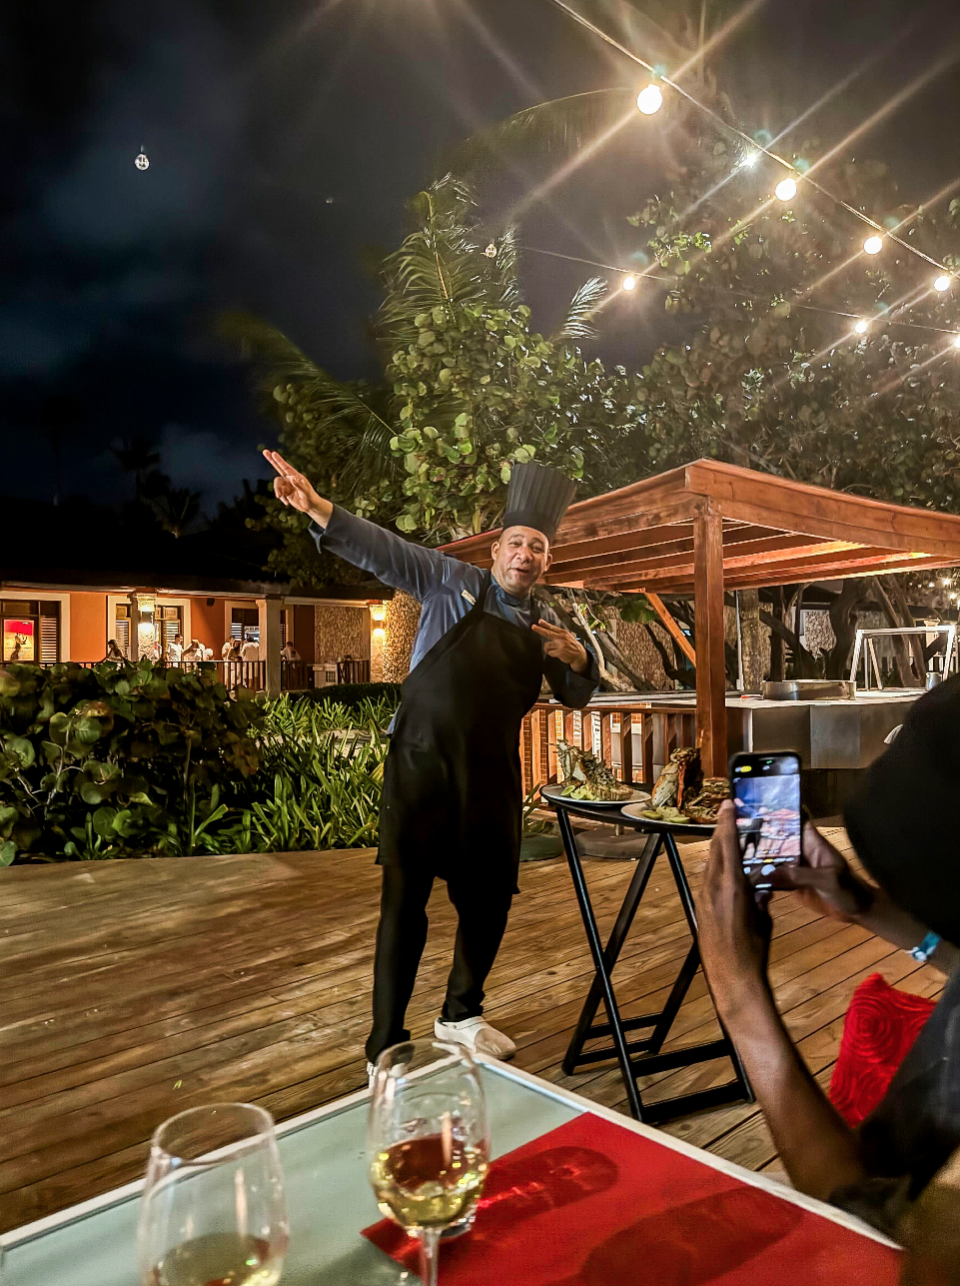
(902, 818)
(537, 497)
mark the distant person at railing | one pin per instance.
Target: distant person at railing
(230, 650)
(900, 1169)
(207, 652)
(452, 794)
(288, 652)
(193, 651)
(113, 652)
(175, 650)
(250, 650)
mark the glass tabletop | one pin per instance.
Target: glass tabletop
(328, 1196)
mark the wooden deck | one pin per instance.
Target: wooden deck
(131, 990)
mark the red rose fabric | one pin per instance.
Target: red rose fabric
(879, 1030)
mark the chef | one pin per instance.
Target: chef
(452, 794)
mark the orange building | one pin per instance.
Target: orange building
(48, 620)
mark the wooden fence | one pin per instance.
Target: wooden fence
(634, 738)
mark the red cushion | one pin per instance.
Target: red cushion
(880, 1027)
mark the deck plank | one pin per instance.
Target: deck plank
(130, 990)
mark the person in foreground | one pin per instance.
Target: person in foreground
(452, 795)
(901, 1169)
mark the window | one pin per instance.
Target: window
(30, 630)
(245, 624)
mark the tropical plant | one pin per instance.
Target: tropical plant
(470, 387)
(111, 760)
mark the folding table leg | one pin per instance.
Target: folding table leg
(600, 964)
(612, 950)
(690, 910)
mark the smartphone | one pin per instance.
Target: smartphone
(766, 796)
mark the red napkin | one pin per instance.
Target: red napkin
(593, 1204)
(880, 1027)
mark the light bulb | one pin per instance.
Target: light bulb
(650, 100)
(628, 283)
(956, 342)
(873, 245)
(942, 282)
(861, 327)
(750, 159)
(786, 190)
(142, 161)
(945, 580)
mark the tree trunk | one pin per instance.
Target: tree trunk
(776, 642)
(843, 622)
(400, 627)
(901, 652)
(752, 640)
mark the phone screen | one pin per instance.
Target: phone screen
(766, 795)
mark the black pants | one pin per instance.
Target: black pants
(402, 934)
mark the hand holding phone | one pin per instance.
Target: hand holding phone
(766, 796)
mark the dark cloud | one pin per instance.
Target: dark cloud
(283, 142)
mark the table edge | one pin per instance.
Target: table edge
(84, 1209)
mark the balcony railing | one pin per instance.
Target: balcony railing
(634, 738)
(295, 676)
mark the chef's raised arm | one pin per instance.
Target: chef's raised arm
(393, 560)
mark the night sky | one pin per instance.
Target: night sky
(284, 140)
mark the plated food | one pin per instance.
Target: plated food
(682, 793)
(586, 778)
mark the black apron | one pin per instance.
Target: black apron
(452, 791)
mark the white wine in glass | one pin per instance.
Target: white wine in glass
(428, 1141)
(213, 1211)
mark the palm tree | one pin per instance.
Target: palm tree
(137, 455)
(176, 509)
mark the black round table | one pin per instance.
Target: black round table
(641, 1057)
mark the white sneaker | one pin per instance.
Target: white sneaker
(478, 1036)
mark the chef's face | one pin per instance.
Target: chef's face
(520, 558)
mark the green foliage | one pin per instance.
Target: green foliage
(112, 760)
(471, 388)
(768, 380)
(382, 698)
(139, 760)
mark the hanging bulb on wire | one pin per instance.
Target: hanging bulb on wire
(942, 282)
(491, 250)
(142, 161)
(861, 327)
(873, 245)
(628, 282)
(650, 100)
(786, 190)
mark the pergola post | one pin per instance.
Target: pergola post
(708, 615)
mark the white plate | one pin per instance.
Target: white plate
(639, 798)
(636, 810)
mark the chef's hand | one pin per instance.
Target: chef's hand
(293, 489)
(733, 929)
(563, 645)
(823, 880)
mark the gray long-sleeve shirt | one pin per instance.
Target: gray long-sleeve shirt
(446, 589)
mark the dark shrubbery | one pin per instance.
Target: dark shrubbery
(142, 761)
(354, 694)
(115, 759)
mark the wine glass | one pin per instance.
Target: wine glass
(428, 1141)
(213, 1211)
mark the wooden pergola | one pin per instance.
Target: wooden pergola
(709, 527)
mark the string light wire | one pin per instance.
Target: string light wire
(626, 273)
(745, 138)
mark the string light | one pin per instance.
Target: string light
(650, 100)
(942, 282)
(628, 283)
(811, 308)
(861, 327)
(873, 245)
(142, 161)
(750, 159)
(786, 190)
